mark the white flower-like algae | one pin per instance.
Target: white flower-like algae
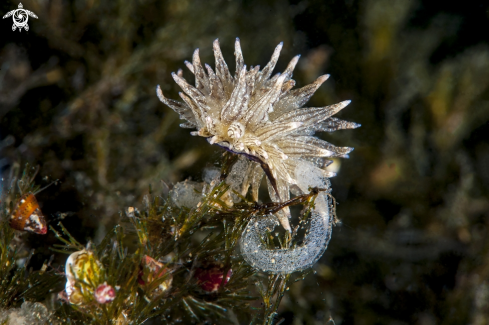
(316, 239)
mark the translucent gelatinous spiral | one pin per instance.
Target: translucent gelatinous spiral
(316, 239)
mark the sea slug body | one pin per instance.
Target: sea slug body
(260, 117)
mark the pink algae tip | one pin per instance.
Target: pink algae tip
(104, 293)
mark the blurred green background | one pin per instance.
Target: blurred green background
(77, 97)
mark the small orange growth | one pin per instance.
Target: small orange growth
(28, 216)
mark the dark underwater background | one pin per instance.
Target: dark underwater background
(77, 98)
